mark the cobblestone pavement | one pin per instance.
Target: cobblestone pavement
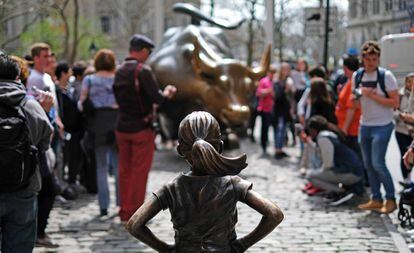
(310, 225)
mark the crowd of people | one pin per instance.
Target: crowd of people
(73, 126)
(83, 125)
(344, 123)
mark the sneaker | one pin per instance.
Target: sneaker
(60, 199)
(45, 242)
(406, 184)
(283, 154)
(303, 171)
(104, 212)
(279, 156)
(342, 198)
(313, 191)
(388, 207)
(373, 205)
(307, 187)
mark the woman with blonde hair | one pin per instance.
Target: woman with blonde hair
(281, 108)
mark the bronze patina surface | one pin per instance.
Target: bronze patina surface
(202, 202)
(198, 61)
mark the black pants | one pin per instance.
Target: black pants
(266, 121)
(73, 156)
(404, 142)
(88, 169)
(252, 121)
(46, 196)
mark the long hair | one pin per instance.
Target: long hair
(284, 72)
(320, 123)
(200, 144)
(319, 91)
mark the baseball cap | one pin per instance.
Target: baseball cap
(139, 41)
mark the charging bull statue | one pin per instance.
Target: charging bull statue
(198, 61)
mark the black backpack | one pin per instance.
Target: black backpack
(380, 79)
(18, 157)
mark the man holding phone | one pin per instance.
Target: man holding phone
(379, 91)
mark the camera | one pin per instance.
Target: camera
(298, 129)
(357, 93)
(155, 125)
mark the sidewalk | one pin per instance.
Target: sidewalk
(310, 225)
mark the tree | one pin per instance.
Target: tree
(11, 10)
(254, 25)
(282, 19)
(51, 31)
(58, 23)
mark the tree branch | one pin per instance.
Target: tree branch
(24, 29)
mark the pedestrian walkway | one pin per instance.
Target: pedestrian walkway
(310, 224)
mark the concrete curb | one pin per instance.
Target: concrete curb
(396, 236)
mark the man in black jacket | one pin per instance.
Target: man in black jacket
(136, 91)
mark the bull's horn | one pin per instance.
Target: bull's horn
(204, 65)
(261, 70)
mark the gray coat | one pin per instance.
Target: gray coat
(12, 93)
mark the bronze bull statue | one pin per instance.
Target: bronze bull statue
(198, 61)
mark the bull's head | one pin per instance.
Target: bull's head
(228, 83)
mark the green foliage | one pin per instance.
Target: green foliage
(47, 30)
(51, 30)
(88, 35)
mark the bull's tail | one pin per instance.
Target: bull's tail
(197, 16)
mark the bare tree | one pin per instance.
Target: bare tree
(60, 7)
(75, 37)
(11, 10)
(254, 25)
(282, 18)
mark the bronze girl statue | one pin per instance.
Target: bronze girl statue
(203, 201)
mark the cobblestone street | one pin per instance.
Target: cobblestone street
(310, 225)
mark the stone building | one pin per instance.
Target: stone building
(372, 19)
(118, 19)
(121, 19)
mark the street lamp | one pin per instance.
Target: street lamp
(92, 48)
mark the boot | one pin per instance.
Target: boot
(389, 206)
(374, 205)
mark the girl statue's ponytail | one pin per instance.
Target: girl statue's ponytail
(199, 142)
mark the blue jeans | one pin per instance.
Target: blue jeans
(279, 129)
(106, 156)
(374, 142)
(18, 213)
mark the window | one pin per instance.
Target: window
(376, 6)
(168, 22)
(144, 26)
(353, 10)
(402, 5)
(364, 8)
(388, 5)
(105, 24)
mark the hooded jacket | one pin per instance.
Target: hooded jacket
(12, 93)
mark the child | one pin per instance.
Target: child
(202, 202)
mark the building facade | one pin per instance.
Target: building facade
(119, 20)
(372, 19)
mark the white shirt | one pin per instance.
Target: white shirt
(373, 113)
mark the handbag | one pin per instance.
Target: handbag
(88, 107)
